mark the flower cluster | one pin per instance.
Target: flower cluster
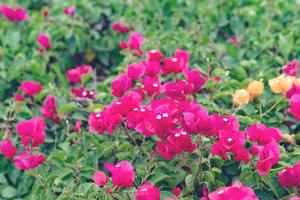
(75, 76)
(266, 146)
(14, 14)
(244, 96)
(289, 84)
(134, 43)
(150, 106)
(290, 176)
(32, 135)
(235, 192)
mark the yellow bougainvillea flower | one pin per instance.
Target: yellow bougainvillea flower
(281, 84)
(255, 88)
(241, 97)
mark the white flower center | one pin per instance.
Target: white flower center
(229, 139)
(158, 117)
(143, 110)
(155, 85)
(165, 115)
(135, 109)
(98, 115)
(84, 93)
(221, 192)
(118, 165)
(177, 135)
(174, 59)
(91, 93)
(225, 119)
(118, 102)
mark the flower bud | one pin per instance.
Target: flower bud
(255, 88)
(241, 97)
(281, 84)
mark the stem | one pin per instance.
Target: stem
(199, 174)
(274, 105)
(128, 196)
(288, 197)
(132, 139)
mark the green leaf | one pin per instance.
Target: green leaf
(189, 182)
(8, 192)
(69, 107)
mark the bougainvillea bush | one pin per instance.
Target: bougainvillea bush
(149, 100)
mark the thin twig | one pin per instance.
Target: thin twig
(132, 139)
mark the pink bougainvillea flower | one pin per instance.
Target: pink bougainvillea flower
(294, 90)
(171, 65)
(135, 43)
(19, 97)
(152, 68)
(255, 149)
(295, 106)
(218, 79)
(295, 198)
(165, 150)
(242, 155)
(268, 157)
(235, 192)
(74, 75)
(176, 90)
(14, 14)
(100, 178)
(231, 141)
(122, 174)
(46, 13)
(97, 123)
(181, 141)
(194, 79)
(262, 134)
(234, 40)
(49, 109)
(176, 191)
(25, 160)
(198, 121)
(123, 44)
(136, 116)
(44, 41)
(7, 149)
(104, 121)
(151, 85)
(119, 27)
(120, 85)
(154, 55)
(70, 10)
(226, 122)
(82, 93)
(163, 118)
(290, 176)
(147, 191)
(31, 88)
(183, 58)
(126, 104)
(32, 132)
(77, 127)
(175, 144)
(291, 68)
(136, 71)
